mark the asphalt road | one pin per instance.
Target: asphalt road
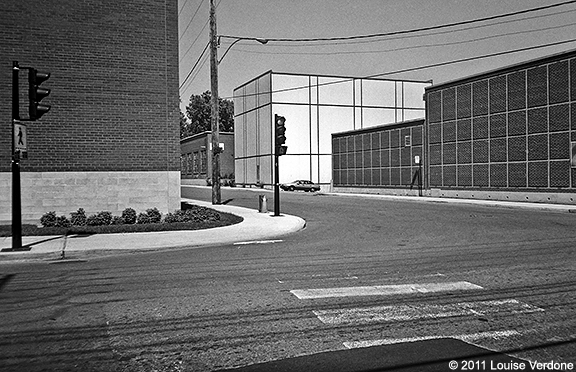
(231, 306)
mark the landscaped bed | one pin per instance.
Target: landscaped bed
(189, 217)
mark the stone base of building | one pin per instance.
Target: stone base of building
(65, 192)
(515, 196)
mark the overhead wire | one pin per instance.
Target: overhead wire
(393, 33)
(191, 19)
(439, 64)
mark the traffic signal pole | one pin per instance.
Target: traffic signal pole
(16, 197)
(276, 184)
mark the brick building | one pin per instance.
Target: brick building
(111, 138)
(196, 157)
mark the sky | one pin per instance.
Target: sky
(301, 19)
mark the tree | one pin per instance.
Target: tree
(198, 112)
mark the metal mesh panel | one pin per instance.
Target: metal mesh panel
(480, 127)
(375, 177)
(394, 138)
(376, 158)
(395, 157)
(405, 176)
(498, 150)
(498, 94)
(416, 136)
(376, 141)
(358, 159)
(559, 174)
(480, 151)
(405, 158)
(464, 100)
(517, 174)
(395, 176)
(435, 133)
(560, 145)
(573, 83)
(538, 120)
(367, 158)
(449, 153)
(498, 125)
(435, 154)
(480, 175)
(366, 141)
(435, 176)
(464, 129)
(385, 177)
(480, 98)
(538, 147)
(465, 175)
(385, 158)
(498, 175)
(558, 80)
(464, 152)
(538, 174)
(537, 86)
(517, 148)
(559, 118)
(434, 105)
(367, 177)
(516, 123)
(449, 131)
(385, 140)
(517, 90)
(449, 104)
(449, 175)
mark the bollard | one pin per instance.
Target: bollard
(262, 207)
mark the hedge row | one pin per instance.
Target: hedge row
(128, 217)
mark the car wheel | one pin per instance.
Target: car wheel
(291, 188)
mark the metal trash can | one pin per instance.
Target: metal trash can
(262, 207)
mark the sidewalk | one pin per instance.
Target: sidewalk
(255, 226)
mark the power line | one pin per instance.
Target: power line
(411, 47)
(403, 31)
(195, 64)
(439, 64)
(191, 19)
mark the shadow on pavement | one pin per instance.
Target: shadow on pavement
(427, 356)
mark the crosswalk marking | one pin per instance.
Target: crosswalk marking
(470, 337)
(422, 311)
(383, 290)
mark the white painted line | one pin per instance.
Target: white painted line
(470, 338)
(379, 314)
(383, 290)
(259, 242)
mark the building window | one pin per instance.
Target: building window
(195, 163)
(203, 161)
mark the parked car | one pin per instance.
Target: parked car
(300, 185)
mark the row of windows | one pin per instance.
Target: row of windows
(397, 176)
(193, 163)
(534, 87)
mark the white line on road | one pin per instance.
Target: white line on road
(382, 290)
(470, 338)
(259, 242)
(380, 314)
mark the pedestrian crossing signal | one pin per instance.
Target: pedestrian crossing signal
(36, 93)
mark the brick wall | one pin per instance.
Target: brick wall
(114, 98)
(114, 82)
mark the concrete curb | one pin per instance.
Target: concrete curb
(490, 203)
(255, 226)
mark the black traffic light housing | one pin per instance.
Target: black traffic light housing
(280, 127)
(36, 94)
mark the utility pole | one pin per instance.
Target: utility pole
(216, 195)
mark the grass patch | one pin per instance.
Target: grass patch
(225, 219)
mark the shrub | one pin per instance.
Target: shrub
(62, 221)
(129, 216)
(93, 220)
(100, 219)
(154, 215)
(117, 220)
(143, 218)
(49, 219)
(78, 218)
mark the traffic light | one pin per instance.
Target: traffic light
(280, 122)
(36, 94)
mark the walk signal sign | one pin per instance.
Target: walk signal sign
(36, 93)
